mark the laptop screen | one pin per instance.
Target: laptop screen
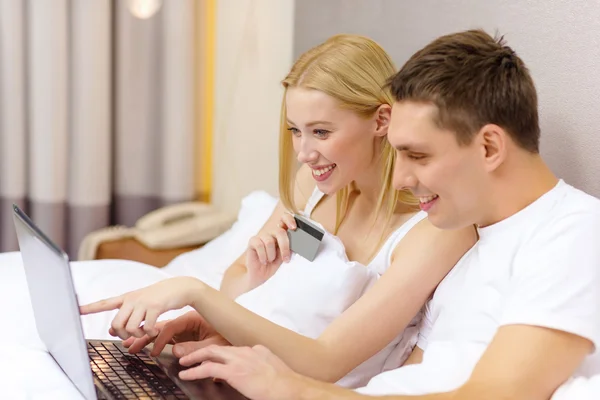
(54, 302)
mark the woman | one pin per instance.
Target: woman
(335, 116)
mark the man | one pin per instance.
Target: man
(520, 313)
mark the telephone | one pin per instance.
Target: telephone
(180, 225)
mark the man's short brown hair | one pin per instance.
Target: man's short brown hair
(473, 79)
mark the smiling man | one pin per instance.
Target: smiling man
(520, 313)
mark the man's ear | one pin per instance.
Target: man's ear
(494, 144)
(382, 119)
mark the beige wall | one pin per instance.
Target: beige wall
(559, 40)
(253, 54)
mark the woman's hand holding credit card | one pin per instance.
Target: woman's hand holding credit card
(306, 238)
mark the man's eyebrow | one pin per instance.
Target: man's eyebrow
(402, 148)
(409, 148)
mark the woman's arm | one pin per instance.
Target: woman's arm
(420, 261)
(235, 280)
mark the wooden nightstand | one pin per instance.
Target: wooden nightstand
(131, 249)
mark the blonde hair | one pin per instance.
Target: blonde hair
(354, 70)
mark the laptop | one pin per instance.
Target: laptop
(98, 369)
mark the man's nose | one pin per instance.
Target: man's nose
(404, 178)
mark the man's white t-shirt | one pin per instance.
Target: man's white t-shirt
(539, 267)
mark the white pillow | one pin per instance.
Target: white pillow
(579, 388)
(209, 262)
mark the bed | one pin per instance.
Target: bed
(27, 371)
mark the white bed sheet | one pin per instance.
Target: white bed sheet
(26, 370)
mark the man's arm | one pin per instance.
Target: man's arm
(260, 375)
(525, 362)
(522, 362)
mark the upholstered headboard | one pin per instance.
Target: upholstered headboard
(558, 40)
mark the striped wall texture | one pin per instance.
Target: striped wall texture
(97, 121)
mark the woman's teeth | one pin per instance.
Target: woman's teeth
(319, 172)
(428, 198)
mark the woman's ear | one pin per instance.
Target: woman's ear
(382, 119)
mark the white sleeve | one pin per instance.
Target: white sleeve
(555, 282)
(425, 327)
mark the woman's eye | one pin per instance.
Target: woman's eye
(321, 133)
(295, 131)
(416, 157)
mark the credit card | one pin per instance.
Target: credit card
(306, 239)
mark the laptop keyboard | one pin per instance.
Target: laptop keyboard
(130, 376)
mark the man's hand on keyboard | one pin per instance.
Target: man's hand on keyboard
(255, 372)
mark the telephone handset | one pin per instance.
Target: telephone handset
(180, 225)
